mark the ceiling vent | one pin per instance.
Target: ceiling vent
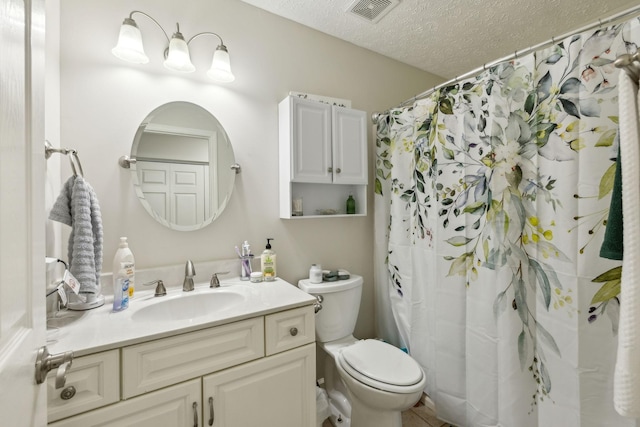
(371, 10)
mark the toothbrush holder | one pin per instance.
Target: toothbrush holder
(245, 267)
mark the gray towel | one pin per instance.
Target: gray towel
(77, 206)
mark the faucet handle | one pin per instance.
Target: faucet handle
(215, 282)
(189, 269)
(160, 289)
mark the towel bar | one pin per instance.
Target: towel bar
(73, 156)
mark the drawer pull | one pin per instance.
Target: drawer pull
(68, 393)
(195, 414)
(211, 417)
(293, 331)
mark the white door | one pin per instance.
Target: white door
(22, 221)
(189, 194)
(177, 192)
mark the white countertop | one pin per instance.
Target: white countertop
(100, 329)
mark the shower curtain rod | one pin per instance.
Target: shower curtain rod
(632, 11)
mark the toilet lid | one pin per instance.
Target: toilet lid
(381, 362)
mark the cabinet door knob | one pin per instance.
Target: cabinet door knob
(68, 393)
(338, 170)
(293, 331)
(329, 169)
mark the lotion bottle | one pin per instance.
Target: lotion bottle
(268, 262)
(123, 274)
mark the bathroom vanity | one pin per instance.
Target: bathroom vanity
(249, 361)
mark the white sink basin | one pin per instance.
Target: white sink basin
(191, 305)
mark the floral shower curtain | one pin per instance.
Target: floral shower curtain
(491, 201)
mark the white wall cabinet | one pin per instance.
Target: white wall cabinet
(258, 371)
(323, 157)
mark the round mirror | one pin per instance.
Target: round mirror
(184, 167)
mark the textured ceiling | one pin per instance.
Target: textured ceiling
(449, 37)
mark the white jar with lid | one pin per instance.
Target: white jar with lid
(315, 273)
(256, 277)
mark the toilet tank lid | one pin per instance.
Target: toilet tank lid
(326, 287)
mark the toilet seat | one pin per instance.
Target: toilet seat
(382, 366)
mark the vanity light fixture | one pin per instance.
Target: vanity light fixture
(177, 57)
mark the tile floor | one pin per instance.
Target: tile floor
(421, 415)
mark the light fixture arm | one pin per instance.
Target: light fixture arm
(205, 33)
(154, 21)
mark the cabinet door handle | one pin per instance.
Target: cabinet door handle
(293, 331)
(338, 170)
(195, 414)
(211, 417)
(329, 169)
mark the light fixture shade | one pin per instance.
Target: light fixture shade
(220, 70)
(129, 47)
(178, 58)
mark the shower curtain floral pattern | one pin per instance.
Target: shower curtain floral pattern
(495, 194)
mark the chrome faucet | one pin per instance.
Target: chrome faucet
(189, 272)
(215, 282)
(160, 289)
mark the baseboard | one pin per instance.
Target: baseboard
(426, 401)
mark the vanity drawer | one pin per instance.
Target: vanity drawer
(96, 380)
(155, 364)
(289, 329)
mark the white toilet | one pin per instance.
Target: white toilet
(369, 382)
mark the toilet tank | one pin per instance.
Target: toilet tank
(340, 306)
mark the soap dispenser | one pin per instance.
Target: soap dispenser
(268, 262)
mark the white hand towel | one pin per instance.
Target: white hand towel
(626, 387)
(77, 206)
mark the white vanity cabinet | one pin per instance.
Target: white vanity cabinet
(176, 406)
(323, 157)
(253, 372)
(92, 382)
(273, 391)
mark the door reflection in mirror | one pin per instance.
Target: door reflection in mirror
(182, 174)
